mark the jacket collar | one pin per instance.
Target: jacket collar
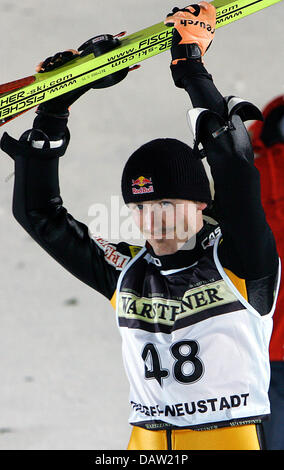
(189, 254)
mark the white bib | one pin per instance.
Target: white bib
(213, 370)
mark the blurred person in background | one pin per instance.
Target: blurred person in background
(268, 143)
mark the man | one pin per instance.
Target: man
(268, 143)
(194, 309)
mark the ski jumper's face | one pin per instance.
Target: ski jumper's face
(168, 223)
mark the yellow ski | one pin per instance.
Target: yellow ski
(19, 96)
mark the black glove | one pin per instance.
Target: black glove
(58, 107)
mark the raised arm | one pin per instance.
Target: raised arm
(38, 206)
(248, 248)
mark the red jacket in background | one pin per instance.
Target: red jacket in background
(270, 163)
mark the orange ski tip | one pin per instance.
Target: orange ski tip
(16, 84)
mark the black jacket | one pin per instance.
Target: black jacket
(248, 248)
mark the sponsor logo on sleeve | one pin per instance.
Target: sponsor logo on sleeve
(112, 256)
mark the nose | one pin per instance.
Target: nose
(152, 218)
(148, 218)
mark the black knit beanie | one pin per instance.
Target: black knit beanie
(164, 168)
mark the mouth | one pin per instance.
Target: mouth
(159, 233)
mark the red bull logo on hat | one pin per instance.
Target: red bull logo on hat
(145, 185)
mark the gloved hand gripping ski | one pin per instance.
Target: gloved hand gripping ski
(97, 45)
(194, 30)
(50, 126)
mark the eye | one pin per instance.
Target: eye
(135, 207)
(166, 204)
